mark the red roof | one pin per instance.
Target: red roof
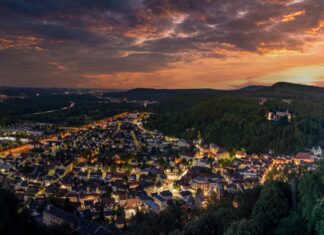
(302, 156)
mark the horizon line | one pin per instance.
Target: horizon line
(157, 88)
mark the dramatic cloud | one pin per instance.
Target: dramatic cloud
(159, 43)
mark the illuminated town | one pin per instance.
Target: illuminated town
(115, 167)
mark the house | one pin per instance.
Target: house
(200, 183)
(240, 154)
(186, 195)
(160, 201)
(166, 194)
(303, 157)
(213, 148)
(278, 116)
(120, 222)
(151, 205)
(222, 153)
(317, 151)
(53, 216)
(203, 162)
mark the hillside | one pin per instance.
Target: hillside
(291, 90)
(162, 94)
(278, 90)
(235, 119)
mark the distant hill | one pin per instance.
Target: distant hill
(291, 90)
(162, 94)
(253, 88)
(280, 90)
(280, 86)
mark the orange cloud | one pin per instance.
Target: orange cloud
(316, 29)
(292, 16)
(101, 29)
(166, 44)
(267, 21)
(39, 49)
(58, 65)
(143, 31)
(123, 80)
(18, 42)
(240, 68)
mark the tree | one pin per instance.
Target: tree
(8, 215)
(14, 223)
(242, 227)
(294, 224)
(311, 189)
(318, 216)
(270, 208)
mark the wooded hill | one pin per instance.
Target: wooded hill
(236, 119)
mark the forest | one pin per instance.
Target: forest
(237, 120)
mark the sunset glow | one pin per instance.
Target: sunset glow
(161, 43)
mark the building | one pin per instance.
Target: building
(317, 151)
(53, 216)
(213, 148)
(278, 116)
(240, 154)
(303, 157)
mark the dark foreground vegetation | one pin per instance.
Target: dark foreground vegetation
(272, 209)
(17, 221)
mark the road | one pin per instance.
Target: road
(70, 106)
(27, 147)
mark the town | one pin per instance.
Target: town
(113, 168)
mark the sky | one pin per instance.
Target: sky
(123, 44)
